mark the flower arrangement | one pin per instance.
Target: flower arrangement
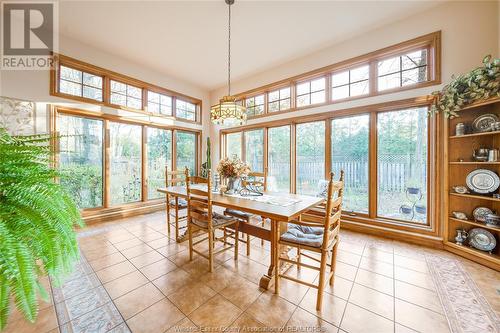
(232, 168)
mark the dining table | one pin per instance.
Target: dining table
(277, 207)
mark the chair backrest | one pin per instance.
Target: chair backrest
(254, 178)
(199, 200)
(333, 209)
(174, 177)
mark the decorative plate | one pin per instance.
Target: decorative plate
(460, 189)
(483, 122)
(480, 213)
(483, 181)
(482, 239)
(459, 215)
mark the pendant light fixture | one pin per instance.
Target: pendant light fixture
(228, 112)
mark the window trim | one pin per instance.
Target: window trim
(432, 42)
(108, 75)
(126, 95)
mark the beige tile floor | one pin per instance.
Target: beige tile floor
(380, 286)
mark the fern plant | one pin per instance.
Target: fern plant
(37, 218)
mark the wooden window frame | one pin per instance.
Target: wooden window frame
(310, 80)
(174, 111)
(107, 118)
(82, 84)
(108, 75)
(431, 227)
(126, 95)
(264, 103)
(159, 104)
(432, 42)
(349, 83)
(279, 100)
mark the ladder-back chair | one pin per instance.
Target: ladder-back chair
(317, 233)
(175, 178)
(201, 217)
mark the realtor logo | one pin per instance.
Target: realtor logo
(29, 34)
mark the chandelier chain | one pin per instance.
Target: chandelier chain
(229, 55)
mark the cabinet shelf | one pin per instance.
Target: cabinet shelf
(474, 163)
(474, 134)
(476, 224)
(475, 196)
(476, 252)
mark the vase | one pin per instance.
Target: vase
(232, 185)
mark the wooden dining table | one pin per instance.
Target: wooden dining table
(274, 212)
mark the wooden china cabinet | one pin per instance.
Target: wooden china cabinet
(458, 163)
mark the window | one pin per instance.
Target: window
(78, 83)
(159, 148)
(404, 70)
(159, 103)
(350, 142)
(125, 162)
(310, 156)
(186, 152)
(350, 83)
(185, 110)
(402, 164)
(81, 159)
(254, 149)
(255, 105)
(233, 145)
(311, 92)
(278, 159)
(125, 95)
(279, 100)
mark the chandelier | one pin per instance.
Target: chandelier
(228, 112)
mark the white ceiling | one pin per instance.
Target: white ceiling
(188, 39)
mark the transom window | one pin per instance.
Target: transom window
(159, 103)
(403, 70)
(185, 110)
(255, 105)
(79, 83)
(279, 100)
(350, 83)
(126, 95)
(311, 92)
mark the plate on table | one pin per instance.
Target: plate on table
(482, 239)
(483, 181)
(480, 213)
(483, 122)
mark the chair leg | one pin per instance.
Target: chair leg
(177, 219)
(236, 240)
(276, 257)
(168, 217)
(211, 250)
(190, 235)
(263, 225)
(299, 258)
(334, 262)
(321, 285)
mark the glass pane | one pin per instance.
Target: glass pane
(285, 93)
(360, 73)
(350, 137)
(250, 102)
(274, 96)
(92, 80)
(125, 163)
(166, 109)
(303, 100)
(318, 97)
(190, 116)
(339, 79)
(134, 92)
(118, 87)
(70, 88)
(278, 176)
(92, 93)
(303, 88)
(359, 88)
(153, 97)
(80, 159)
(166, 100)
(259, 100)
(402, 165)
(414, 59)
(310, 157)
(118, 99)
(254, 145)
(159, 146)
(415, 75)
(389, 66)
(186, 151)
(70, 74)
(259, 109)
(340, 92)
(274, 106)
(153, 107)
(134, 103)
(233, 143)
(318, 84)
(389, 81)
(285, 104)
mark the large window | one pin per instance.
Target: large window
(350, 142)
(279, 100)
(254, 150)
(159, 103)
(310, 157)
(403, 70)
(79, 83)
(233, 145)
(185, 110)
(159, 148)
(311, 92)
(279, 159)
(255, 105)
(126, 95)
(125, 162)
(350, 83)
(186, 151)
(402, 164)
(81, 159)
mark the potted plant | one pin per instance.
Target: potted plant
(232, 170)
(37, 217)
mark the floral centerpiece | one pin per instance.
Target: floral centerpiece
(232, 170)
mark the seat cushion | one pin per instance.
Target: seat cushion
(296, 234)
(182, 203)
(306, 229)
(217, 220)
(238, 213)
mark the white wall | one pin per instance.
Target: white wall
(469, 32)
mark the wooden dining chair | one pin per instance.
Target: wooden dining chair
(201, 217)
(314, 232)
(258, 179)
(175, 178)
